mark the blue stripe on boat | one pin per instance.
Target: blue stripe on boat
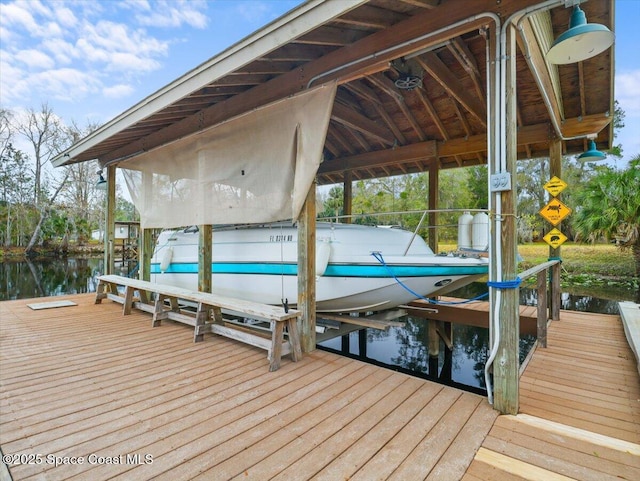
(331, 271)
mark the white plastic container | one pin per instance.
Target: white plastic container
(465, 231)
(480, 231)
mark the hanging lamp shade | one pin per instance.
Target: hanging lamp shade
(102, 183)
(591, 155)
(581, 41)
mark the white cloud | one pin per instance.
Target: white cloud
(171, 13)
(74, 51)
(118, 91)
(65, 17)
(628, 92)
(14, 14)
(35, 59)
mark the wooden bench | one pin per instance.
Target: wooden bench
(153, 298)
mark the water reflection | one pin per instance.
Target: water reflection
(51, 277)
(406, 349)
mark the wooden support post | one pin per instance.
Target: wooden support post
(434, 170)
(347, 195)
(362, 342)
(555, 160)
(307, 270)
(205, 239)
(434, 339)
(444, 332)
(506, 365)
(542, 308)
(146, 241)
(109, 228)
(145, 254)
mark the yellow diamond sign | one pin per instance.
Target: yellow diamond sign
(555, 238)
(555, 211)
(555, 186)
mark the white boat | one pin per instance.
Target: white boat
(358, 268)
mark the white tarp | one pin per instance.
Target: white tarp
(257, 167)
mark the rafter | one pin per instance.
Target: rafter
(387, 86)
(356, 121)
(432, 64)
(369, 95)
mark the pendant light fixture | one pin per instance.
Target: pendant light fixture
(581, 41)
(102, 183)
(592, 154)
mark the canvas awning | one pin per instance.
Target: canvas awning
(257, 167)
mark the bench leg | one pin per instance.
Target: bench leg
(128, 300)
(158, 311)
(276, 345)
(201, 320)
(100, 292)
(294, 340)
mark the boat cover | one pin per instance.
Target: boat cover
(257, 167)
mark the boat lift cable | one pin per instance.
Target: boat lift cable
(380, 259)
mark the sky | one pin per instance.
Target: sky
(91, 60)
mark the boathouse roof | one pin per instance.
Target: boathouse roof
(377, 50)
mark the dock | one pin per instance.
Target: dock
(105, 396)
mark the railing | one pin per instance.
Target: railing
(354, 218)
(553, 306)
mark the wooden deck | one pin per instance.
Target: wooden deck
(85, 380)
(579, 409)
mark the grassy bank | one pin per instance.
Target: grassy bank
(583, 264)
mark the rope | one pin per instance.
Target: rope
(505, 284)
(380, 259)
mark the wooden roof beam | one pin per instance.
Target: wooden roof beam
(432, 64)
(460, 50)
(332, 36)
(387, 86)
(370, 17)
(422, 3)
(587, 125)
(430, 149)
(369, 95)
(359, 122)
(548, 81)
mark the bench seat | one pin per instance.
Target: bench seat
(208, 318)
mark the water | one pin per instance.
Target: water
(406, 349)
(401, 348)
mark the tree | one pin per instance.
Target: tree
(609, 208)
(80, 192)
(48, 137)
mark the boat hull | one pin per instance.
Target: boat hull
(260, 264)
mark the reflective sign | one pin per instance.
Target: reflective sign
(555, 211)
(555, 186)
(555, 238)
